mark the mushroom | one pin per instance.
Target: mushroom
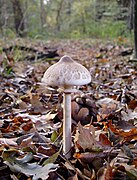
(66, 74)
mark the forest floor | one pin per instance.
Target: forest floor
(104, 113)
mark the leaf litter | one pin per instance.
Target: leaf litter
(104, 114)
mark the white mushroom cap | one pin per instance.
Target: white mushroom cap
(65, 73)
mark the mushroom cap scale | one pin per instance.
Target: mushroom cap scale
(65, 73)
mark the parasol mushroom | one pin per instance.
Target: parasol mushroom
(66, 74)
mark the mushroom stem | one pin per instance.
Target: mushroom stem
(67, 140)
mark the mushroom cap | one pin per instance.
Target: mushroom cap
(66, 72)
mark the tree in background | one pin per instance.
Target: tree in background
(42, 14)
(130, 19)
(99, 9)
(3, 19)
(6, 19)
(18, 17)
(124, 3)
(58, 15)
(65, 18)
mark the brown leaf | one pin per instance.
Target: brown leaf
(135, 162)
(132, 104)
(107, 173)
(89, 156)
(112, 127)
(47, 151)
(6, 129)
(36, 104)
(27, 142)
(75, 109)
(128, 136)
(83, 115)
(18, 119)
(27, 125)
(86, 136)
(75, 177)
(104, 141)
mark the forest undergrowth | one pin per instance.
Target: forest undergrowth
(104, 113)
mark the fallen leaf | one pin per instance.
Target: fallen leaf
(131, 171)
(75, 177)
(7, 141)
(86, 136)
(90, 156)
(31, 169)
(82, 116)
(75, 109)
(107, 173)
(104, 141)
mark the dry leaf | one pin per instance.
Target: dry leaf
(86, 136)
(82, 115)
(75, 109)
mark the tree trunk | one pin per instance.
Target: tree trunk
(135, 27)
(83, 23)
(26, 17)
(3, 16)
(42, 14)
(130, 18)
(18, 17)
(69, 7)
(99, 9)
(68, 14)
(59, 14)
